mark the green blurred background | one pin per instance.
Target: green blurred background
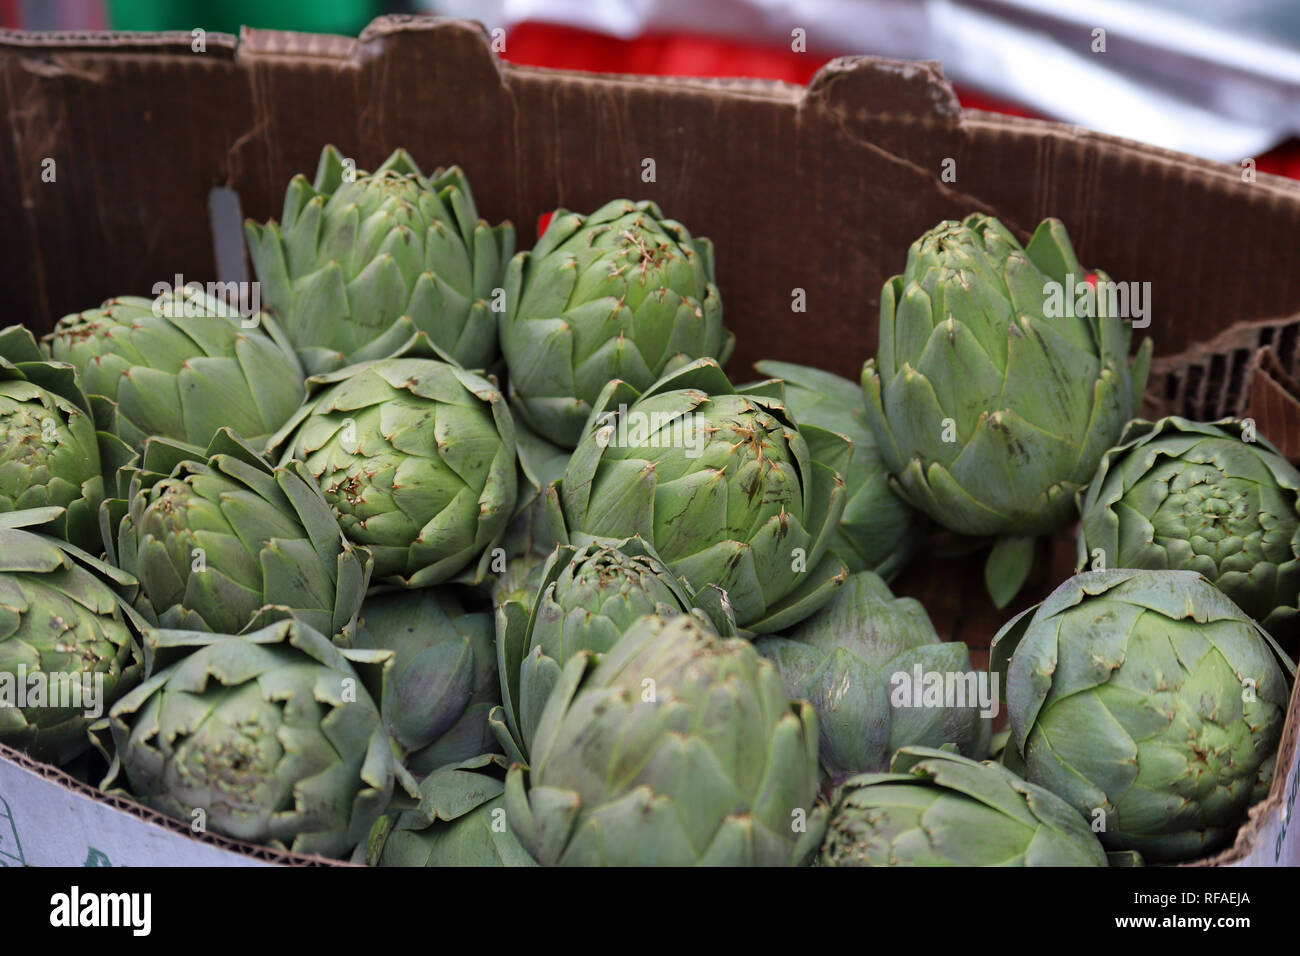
(226, 16)
(347, 17)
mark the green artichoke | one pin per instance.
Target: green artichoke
(417, 458)
(680, 747)
(721, 482)
(991, 400)
(443, 681)
(273, 736)
(623, 293)
(528, 540)
(586, 598)
(878, 531)
(68, 640)
(461, 821)
(935, 808)
(360, 261)
(1149, 702)
(519, 580)
(216, 538)
(1212, 498)
(52, 452)
(880, 678)
(183, 371)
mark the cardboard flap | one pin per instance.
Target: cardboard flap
(873, 88)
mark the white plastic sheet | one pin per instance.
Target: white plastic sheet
(1218, 81)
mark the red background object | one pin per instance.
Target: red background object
(683, 54)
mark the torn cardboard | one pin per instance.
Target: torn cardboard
(1273, 401)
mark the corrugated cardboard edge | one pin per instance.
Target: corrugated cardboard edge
(136, 815)
(67, 41)
(1273, 403)
(1215, 379)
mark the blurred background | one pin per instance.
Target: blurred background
(1216, 78)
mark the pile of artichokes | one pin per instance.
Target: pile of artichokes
(453, 556)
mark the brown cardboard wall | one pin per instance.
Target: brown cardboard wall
(820, 190)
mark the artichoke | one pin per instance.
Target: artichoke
(585, 599)
(360, 261)
(528, 540)
(461, 821)
(680, 747)
(519, 580)
(215, 538)
(623, 293)
(443, 681)
(992, 401)
(1149, 702)
(273, 736)
(878, 531)
(880, 678)
(67, 636)
(183, 371)
(417, 458)
(721, 482)
(935, 808)
(1212, 498)
(52, 454)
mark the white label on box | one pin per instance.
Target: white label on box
(45, 824)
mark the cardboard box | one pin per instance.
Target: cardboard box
(117, 141)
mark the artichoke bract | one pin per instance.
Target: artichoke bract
(274, 736)
(880, 678)
(360, 261)
(184, 369)
(417, 458)
(586, 598)
(53, 451)
(623, 293)
(721, 482)
(993, 396)
(1149, 702)
(519, 582)
(936, 808)
(680, 747)
(461, 821)
(878, 531)
(443, 680)
(1212, 498)
(215, 538)
(68, 640)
